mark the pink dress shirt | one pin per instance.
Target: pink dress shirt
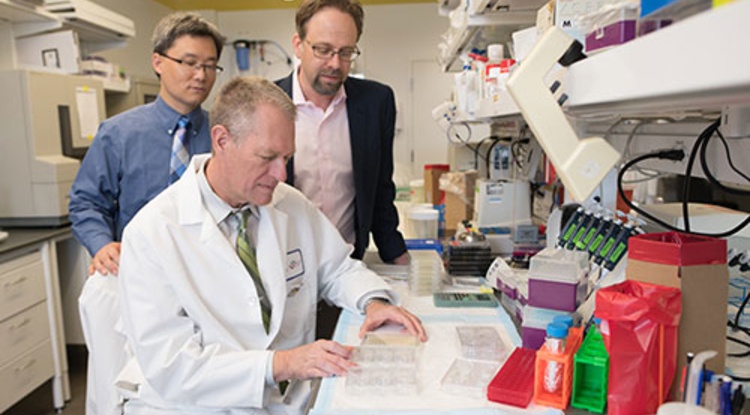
(323, 158)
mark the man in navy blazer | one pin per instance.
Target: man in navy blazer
(326, 56)
(344, 135)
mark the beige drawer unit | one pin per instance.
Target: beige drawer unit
(21, 284)
(23, 331)
(26, 373)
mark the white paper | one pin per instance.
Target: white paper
(88, 112)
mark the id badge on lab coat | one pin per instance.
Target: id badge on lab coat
(295, 268)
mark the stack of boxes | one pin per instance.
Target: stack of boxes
(558, 283)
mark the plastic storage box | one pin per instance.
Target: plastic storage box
(611, 25)
(514, 383)
(468, 377)
(386, 364)
(558, 279)
(425, 272)
(481, 343)
(590, 371)
(534, 325)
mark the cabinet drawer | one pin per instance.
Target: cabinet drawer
(21, 284)
(23, 331)
(21, 376)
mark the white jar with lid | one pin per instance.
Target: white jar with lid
(423, 223)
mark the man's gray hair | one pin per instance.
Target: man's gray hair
(239, 99)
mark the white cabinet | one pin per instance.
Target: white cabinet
(26, 353)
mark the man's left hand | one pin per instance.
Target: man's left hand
(379, 313)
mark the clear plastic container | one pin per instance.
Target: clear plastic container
(425, 272)
(469, 377)
(423, 223)
(554, 343)
(386, 364)
(481, 343)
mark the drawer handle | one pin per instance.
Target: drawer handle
(16, 282)
(17, 326)
(26, 365)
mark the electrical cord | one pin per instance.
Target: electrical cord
(737, 316)
(740, 342)
(495, 139)
(711, 178)
(699, 150)
(689, 172)
(671, 154)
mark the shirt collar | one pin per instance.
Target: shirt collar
(217, 207)
(168, 116)
(298, 97)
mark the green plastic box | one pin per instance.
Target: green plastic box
(590, 371)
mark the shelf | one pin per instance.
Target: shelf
(480, 30)
(98, 27)
(27, 19)
(695, 64)
(698, 63)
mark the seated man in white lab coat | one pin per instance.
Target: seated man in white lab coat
(219, 306)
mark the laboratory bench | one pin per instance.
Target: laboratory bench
(32, 339)
(435, 358)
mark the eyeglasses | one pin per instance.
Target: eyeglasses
(347, 54)
(210, 68)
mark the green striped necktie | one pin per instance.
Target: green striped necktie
(247, 255)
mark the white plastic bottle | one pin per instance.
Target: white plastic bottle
(492, 71)
(554, 344)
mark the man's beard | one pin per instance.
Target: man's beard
(326, 88)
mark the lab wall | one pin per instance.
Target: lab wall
(395, 38)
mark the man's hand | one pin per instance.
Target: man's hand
(379, 313)
(315, 360)
(107, 260)
(404, 259)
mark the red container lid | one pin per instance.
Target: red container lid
(675, 248)
(437, 166)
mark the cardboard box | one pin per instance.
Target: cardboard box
(697, 265)
(459, 197)
(432, 173)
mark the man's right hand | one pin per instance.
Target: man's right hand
(323, 358)
(107, 260)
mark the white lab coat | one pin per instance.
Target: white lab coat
(191, 312)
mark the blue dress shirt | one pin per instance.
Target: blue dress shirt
(125, 167)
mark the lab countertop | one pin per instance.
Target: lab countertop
(21, 237)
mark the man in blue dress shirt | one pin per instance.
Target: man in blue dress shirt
(128, 162)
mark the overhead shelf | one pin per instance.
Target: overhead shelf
(98, 27)
(27, 19)
(480, 31)
(696, 64)
(482, 22)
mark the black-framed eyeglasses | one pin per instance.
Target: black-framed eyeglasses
(211, 68)
(346, 54)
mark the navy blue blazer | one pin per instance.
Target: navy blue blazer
(372, 117)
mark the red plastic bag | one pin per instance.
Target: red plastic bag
(639, 326)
